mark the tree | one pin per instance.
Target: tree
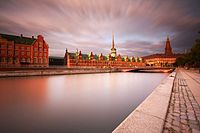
(191, 59)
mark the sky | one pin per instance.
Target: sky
(140, 27)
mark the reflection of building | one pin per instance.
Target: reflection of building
(166, 59)
(92, 60)
(20, 50)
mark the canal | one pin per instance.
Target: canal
(72, 103)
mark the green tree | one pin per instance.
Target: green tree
(195, 54)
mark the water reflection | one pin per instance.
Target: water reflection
(72, 103)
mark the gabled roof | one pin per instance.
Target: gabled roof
(85, 56)
(18, 39)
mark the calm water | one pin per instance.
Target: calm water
(72, 103)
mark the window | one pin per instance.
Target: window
(35, 54)
(40, 44)
(16, 53)
(3, 52)
(9, 59)
(22, 48)
(9, 52)
(22, 53)
(23, 60)
(35, 60)
(2, 59)
(45, 54)
(45, 50)
(3, 46)
(40, 54)
(9, 46)
(17, 47)
(28, 48)
(16, 60)
(40, 60)
(45, 60)
(28, 60)
(35, 49)
(40, 49)
(28, 53)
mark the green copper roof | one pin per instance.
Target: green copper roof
(72, 55)
(18, 39)
(96, 57)
(85, 57)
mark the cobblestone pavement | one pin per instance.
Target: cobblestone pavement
(183, 112)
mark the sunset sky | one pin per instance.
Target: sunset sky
(140, 27)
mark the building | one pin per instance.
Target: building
(56, 61)
(23, 51)
(78, 59)
(162, 60)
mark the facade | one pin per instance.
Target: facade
(23, 51)
(92, 60)
(162, 60)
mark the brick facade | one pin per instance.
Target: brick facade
(100, 61)
(162, 60)
(90, 60)
(23, 51)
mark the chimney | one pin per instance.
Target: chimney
(32, 37)
(21, 35)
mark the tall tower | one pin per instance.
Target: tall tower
(113, 49)
(168, 49)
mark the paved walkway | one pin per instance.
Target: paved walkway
(184, 111)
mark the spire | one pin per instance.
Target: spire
(113, 42)
(168, 49)
(76, 52)
(113, 49)
(167, 38)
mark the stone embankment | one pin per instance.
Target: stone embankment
(11, 72)
(149, 116)
(172, 107)
(44, 71)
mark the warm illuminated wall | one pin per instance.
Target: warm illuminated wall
(12, 53)
(160, 61)
(78, 61)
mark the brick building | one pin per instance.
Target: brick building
(162, 60)
(23, 51)
(113, 60)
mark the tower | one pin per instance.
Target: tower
(113, 49)
(168, 49)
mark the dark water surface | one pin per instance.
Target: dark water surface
(72, 103)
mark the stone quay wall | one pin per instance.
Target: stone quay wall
(57, 71)
(149, 116)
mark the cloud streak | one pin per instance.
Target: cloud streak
(140, 27)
